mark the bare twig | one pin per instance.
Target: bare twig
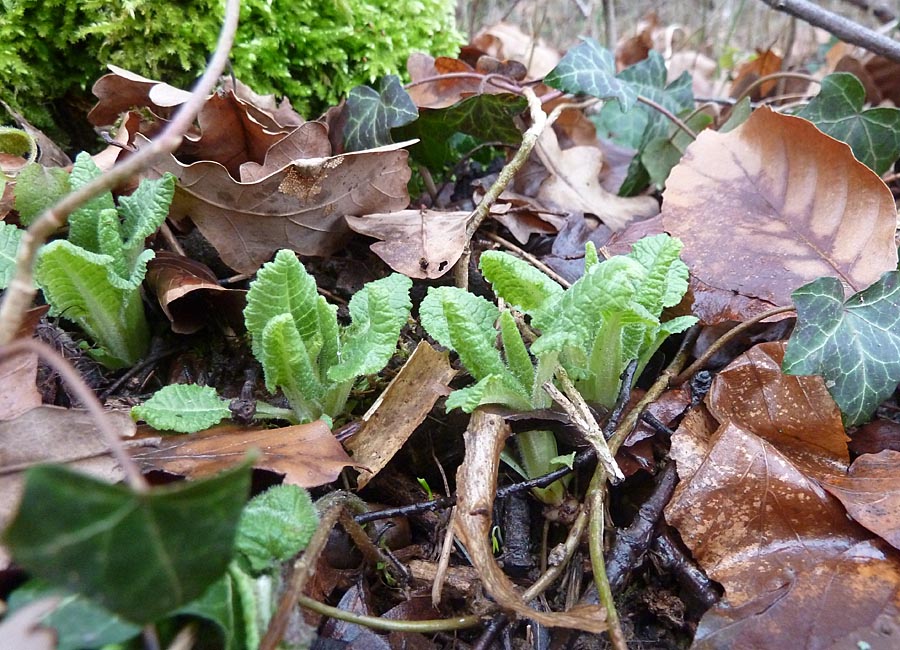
(777, 75)
(87, 397)
(21, 289)
(844, 28)
(387, 624)
(674, 119)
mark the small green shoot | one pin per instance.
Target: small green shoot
(424, 483)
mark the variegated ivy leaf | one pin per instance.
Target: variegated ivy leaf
(591, 69)
(186, 408)
(518, 282)
(371, 114)
(378, 311)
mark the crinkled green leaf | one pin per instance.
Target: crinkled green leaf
(140, 555)
(485, 117)
(518, 282)
(10, 236)
(286, 365)
(667, 276)
(38, 188)
(276, 525)
(517, 358)
(464, 322)
(873, 134)
(371, 114)
(109, 241)
(854, 344)
(83, 287)
(590, 69)
(610, 288)
(185, 408)
(144, 210)
(378, 311)
(493, 389)
(591, 258)
(330, 332)
(78, 622)
(283, 286)
(83, 221)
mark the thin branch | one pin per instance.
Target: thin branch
(21, 289)
(844, 28)
(674, 119)
(86, 396)
(780, 76)
(387, 624)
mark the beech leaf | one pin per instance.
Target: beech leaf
(854, 344)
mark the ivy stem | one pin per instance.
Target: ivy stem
(86, 396)
(722, 340)
(674, 119)
(389, 625)
(21, 289)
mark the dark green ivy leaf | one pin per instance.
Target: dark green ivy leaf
(590, 69)
(485, 117)
(873, 134)
(138, 555)
(853, 345)
(372, 114)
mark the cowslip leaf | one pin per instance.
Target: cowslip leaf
(667, 276)
(38, 188)
(10, 236)
(283, 286)
(371, 114)
(464, 322)
(873, 134)
(143, 554)
(185, 408)
(378, 311)
(82, 287)
(854, 344)
(493, 389)
(590, 69)
(287, 365)
(518, 282)
(275, 526)
(83, 221)
(144, 210)
(109, 241)
(222, 604)
(517, 358)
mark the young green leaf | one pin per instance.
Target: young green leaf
(221, 605)
(275, 526)
(83, 221)
(82, 287)
(38, 188)
(10, 236)
(517, 358)
(667, 276)
(518, 282)
(79, 622)
(143, 554)
(371, 114)
(185, 408)
(493, 389)
(283, 286)
(378, 311)
(873, 134)
(464, 322)
(590, 69)
(854, 344)
(287, 365)
(109, 242)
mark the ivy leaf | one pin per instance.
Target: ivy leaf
(371, 114)
(659, 156)
(518, 282)
(378, 311)
(10, 236)
(84, 288)
(854, 344)
(485, 117)
(276, 525)
(186, 408)
(590, 69)
(78, 621)
(873, 134)
(38, 188)
(222, 605)
(140, 555)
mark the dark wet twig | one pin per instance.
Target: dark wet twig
(674, 558)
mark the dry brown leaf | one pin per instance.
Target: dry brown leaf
(884, 75)
(268, 111)
(423, 244)
(756, 396)
(122, 90)
(18, 373)
(870, 492)
(876, 436)
(429, 88)
(635, 48)
(765, 63)
(301, 206)
(476, 482)
(775, 204)
(309, 140)
(190, 296)
(574, 185)
(507, 41)
(401, 408)
(307, 454)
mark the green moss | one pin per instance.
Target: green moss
(312, 51)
